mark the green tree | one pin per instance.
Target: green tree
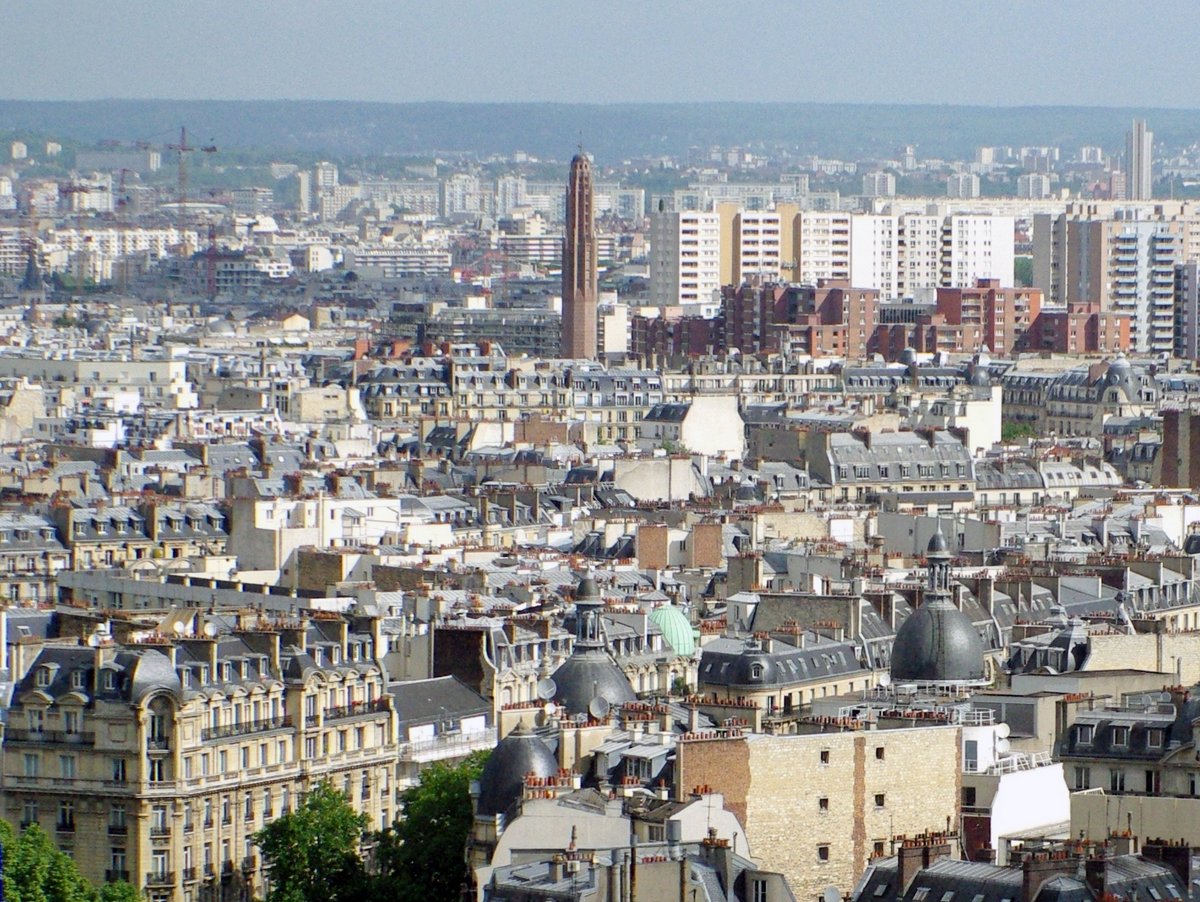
(1023, 271)
(36, 871)
(312, 854)
(119, 892)
(421, 857)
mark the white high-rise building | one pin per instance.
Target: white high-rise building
(685, 257)
(976, 247)
(758, 253)
(875, 253)
(325, 177)
(1139, 162)
(510, 194)
(879, 184)
(962, 185)
(1033, 186)
(823, 245)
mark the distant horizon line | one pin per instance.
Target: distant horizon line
(608, 103)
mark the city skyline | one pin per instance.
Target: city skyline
(376, 52)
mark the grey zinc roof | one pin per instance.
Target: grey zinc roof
(436, 699)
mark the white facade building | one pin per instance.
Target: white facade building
(685, 257)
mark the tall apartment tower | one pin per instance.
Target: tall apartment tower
(1139, 158)
(579, 278)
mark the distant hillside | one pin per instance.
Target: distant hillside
(611, 132)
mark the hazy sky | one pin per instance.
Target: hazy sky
(990, 52)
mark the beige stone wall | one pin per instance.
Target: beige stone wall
(1163, 652)
(1096, 814)
(918, 777)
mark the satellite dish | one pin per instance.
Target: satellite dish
(210, 629)
(885, 680)
(831, 894)
(179, 626)
(546, 688)
(598, 707)
(94, 640)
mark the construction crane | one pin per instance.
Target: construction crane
(183, 148)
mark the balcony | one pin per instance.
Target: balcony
(116, 876)
(358, 709)
(17, 734)
(161, 831)
(160, 878)
(448, 745)
(263, 725)
(190, 875)
(117, 829)
(159, 743)
(249, 864)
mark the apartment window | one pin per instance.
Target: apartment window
(248, 808)
(43, 677)
(208, 813)
(245, 757)
(262, 754)
(880, 799)
(226, 811)
(877, 848)
(158, 770)
(29, 812)
(824, 756)
(823, 852)
(118, 770)
(66, 815)
(310, 747)
(118, 859)
(1083, 778)
(158, 819)
(281, 755)
(1083, 734)
(758, 891)
(66, 767)
(204, 765)
(223, 762)
(1120, 735)
(36, 718)
(1116, 780)
(366, 785)
(32, 763)
(78, 679)
(266, 804)
(1154, 739)
(879, 753)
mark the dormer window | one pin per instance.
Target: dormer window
(756, 671)
(78, 679)
(1083, 734)
(109, 680)
(1154, 739)
(1120, 735)
(42, 678)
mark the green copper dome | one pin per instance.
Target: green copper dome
(675, 629)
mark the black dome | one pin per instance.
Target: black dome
(937, 644)
(937, 544)
(519, 753)
(586, 675)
